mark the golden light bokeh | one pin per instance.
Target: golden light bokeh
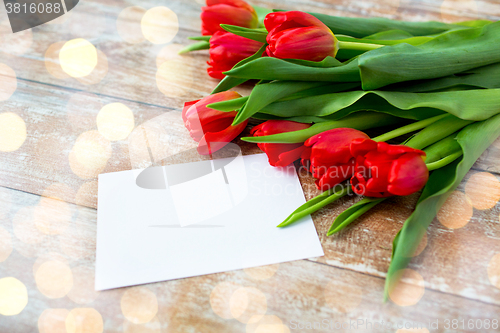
(82, 109)
(5, 244)
(24, 226)
(84, 320)
(248, 304)
(174, 77)
(159, 25)
(153, 326)
(87, 194)
(115, 121)
(262, 272)
(83, 291)
(52, 216)
(13, 296)
(48, 256)
(98, 73)
(456, 211)
(266, 324)
(15, 44)
(12, 131)
(78, 57)
(52, 62)
(53, 321)
(54, 279)
(409, 288)
(483, 190)
(494, 270)
(453, 11)
(220, 298)
(139, 305)
(128, 24)
(90, 154)
(342, 298)
(170, 52)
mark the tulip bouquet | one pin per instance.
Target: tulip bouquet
(323, 80)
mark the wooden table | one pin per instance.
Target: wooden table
(58, 145)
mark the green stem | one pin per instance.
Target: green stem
(358, 46)
(444, 161)
(408, 128)
(203, 45)
(294, 217)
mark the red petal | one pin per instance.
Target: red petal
(408, 174)
(212, 142)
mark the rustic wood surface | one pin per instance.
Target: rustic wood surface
(48, 195)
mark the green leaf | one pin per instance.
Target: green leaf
(230, 105)
(468, 104)
(203, 45)
(450, 53)
(359, 120)
(315, 204)
(474, 139)
(231, 82)
(269, 68)
(352, 213)
(265, 94)
(481, 77)
(390, 35)
(258, 35)
(362, 27)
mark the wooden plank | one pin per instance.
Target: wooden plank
(289, 294)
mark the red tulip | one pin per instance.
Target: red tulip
(211, 128)
(384, 170)
(233, 12)
(226, 50)
(298, 35)
(329, 157)
(280, 154)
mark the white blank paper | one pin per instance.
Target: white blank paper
(223, 220)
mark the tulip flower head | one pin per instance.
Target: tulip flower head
(233, 12)
(226, 50)
(328, 156)
(280, 154)
(211, 128)
(298, 35)
(384, 170)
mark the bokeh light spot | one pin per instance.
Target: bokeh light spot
(159, 25)
(139, 305)
(13, 296)
(54, 279)
(494, 270)
(78, 57)
(483, 190)
(89, 155)
(84, 320)
(248, 304)
(456, 211)
(115, 121)
(52, 62)
(53, 321)
(406, 293)
(266, 324)
(12, 131)
(153, 326)
(262, 272)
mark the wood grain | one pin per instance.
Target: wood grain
(48, 188)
